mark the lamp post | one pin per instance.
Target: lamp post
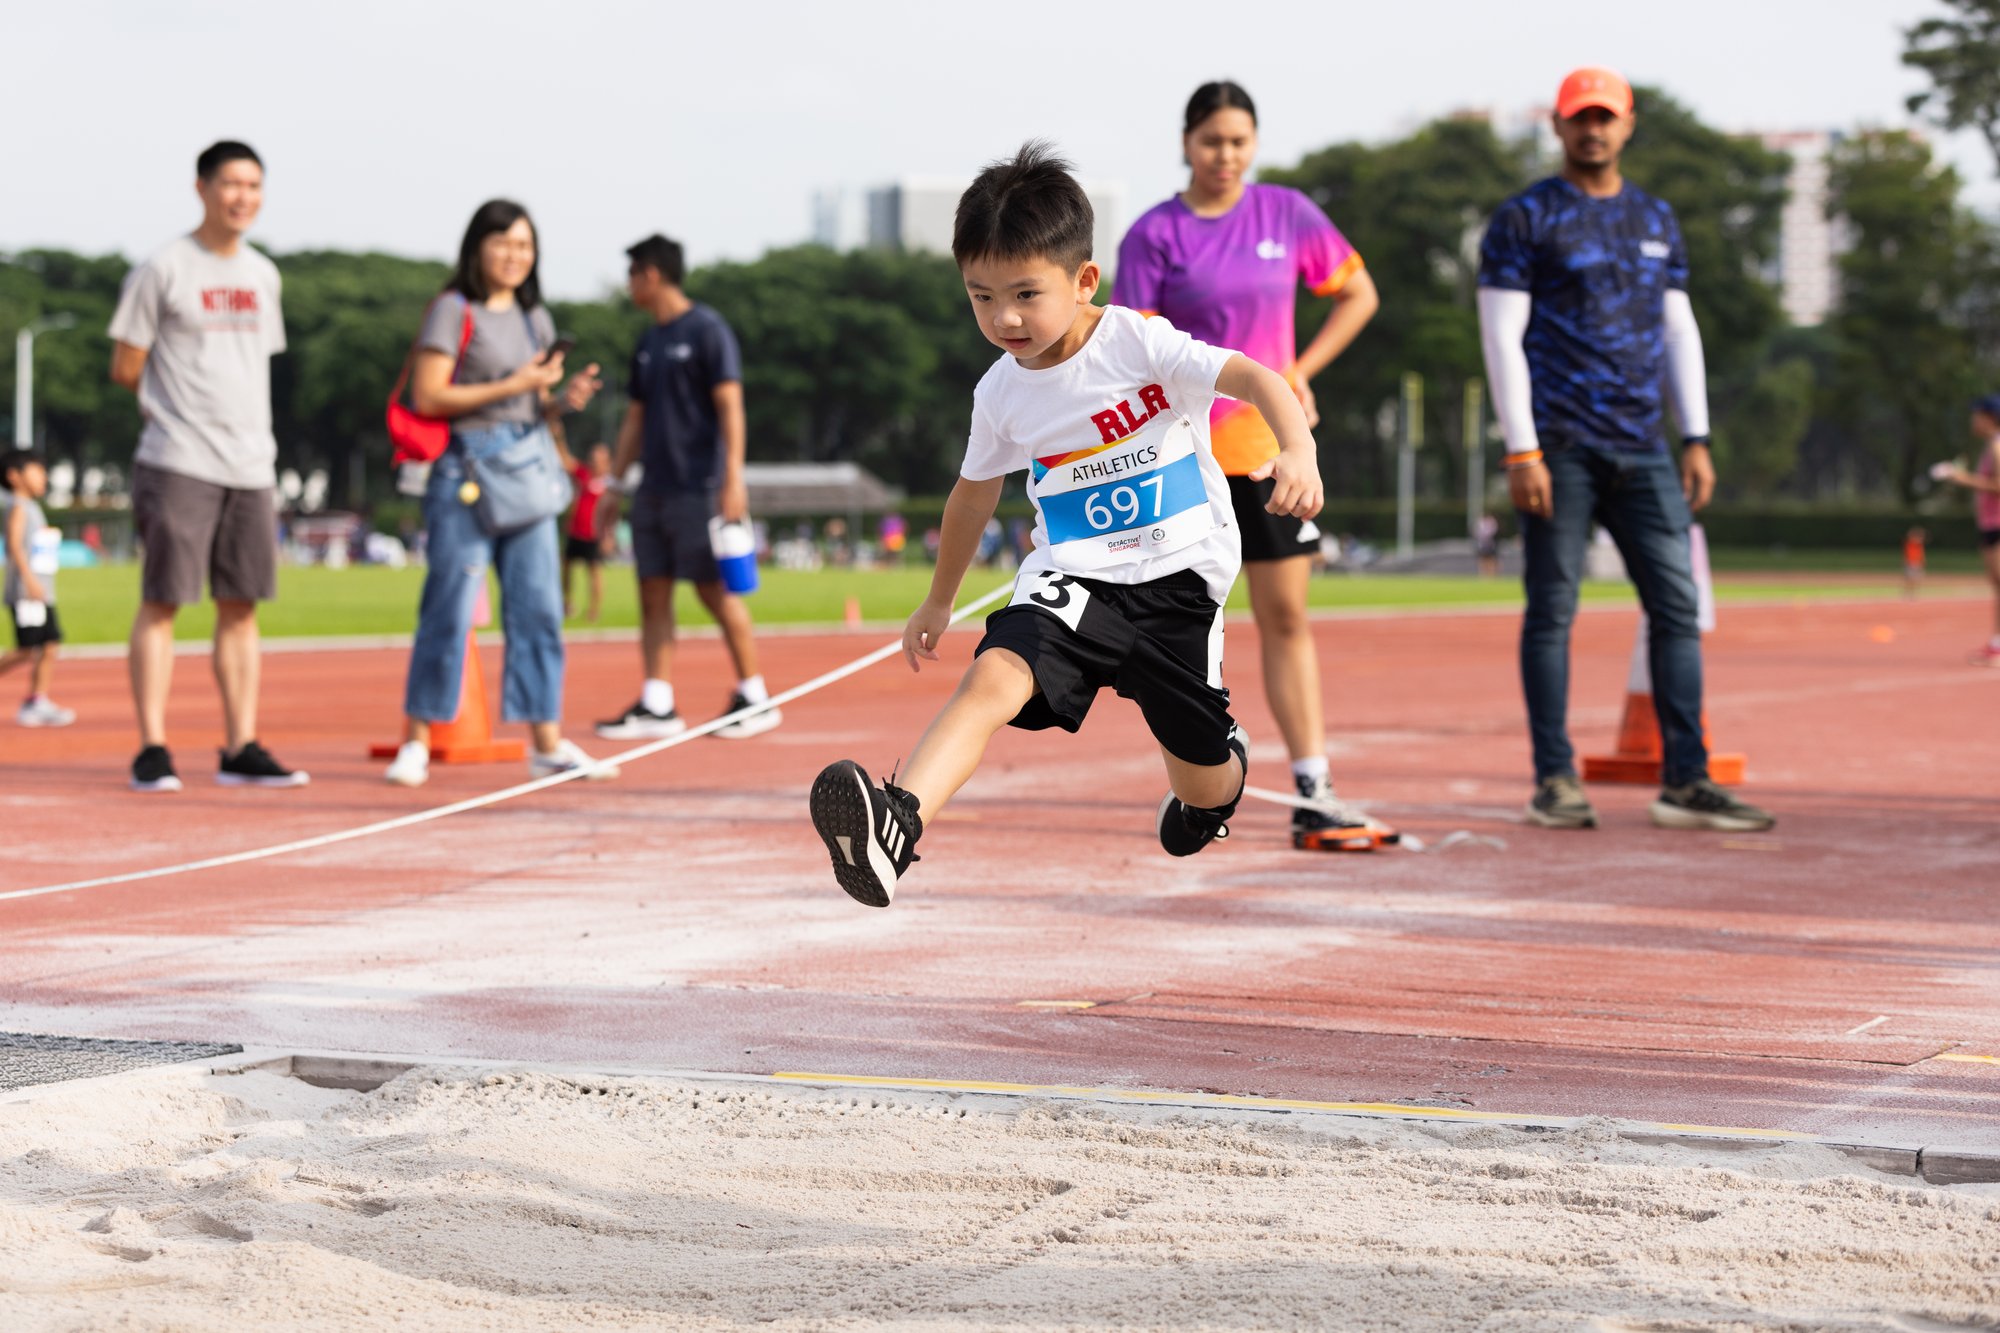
(24, 375)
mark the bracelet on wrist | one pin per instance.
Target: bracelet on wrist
(1526, 458)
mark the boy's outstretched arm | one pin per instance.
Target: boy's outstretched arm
(1298, 492)
(966, 514)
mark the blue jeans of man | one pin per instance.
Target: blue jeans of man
(1637, 498)
(457, 554)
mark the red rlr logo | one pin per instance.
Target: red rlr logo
(1118, 422)
(229, 300)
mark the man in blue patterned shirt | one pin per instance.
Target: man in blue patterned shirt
(1582, 306)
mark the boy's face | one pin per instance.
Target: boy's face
(1025, 306)
(643, 283)
(231, 198)
(30, 479)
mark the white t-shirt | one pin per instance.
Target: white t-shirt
(211, 325)
(1115, 441)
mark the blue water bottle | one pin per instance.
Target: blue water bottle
(735, 547)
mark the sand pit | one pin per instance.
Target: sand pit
(462, 1200)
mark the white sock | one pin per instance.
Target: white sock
(753, 690)
(657, 697)
(1311, 770)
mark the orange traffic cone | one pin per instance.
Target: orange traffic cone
(853, 614)
(1638, 756)
(468, 737)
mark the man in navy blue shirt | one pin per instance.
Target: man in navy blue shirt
(685, 425)
(1582, 305)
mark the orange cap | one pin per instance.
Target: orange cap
(1593, 86)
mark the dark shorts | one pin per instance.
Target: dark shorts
(583, 548)
(1269, 536)
(1158, 644)
(1989, 537)
(670, 537)
(190, 530)
(34, 636)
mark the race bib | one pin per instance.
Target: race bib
(1061, 595)
(1142, 496)
(45, 551)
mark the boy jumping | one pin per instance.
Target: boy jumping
(1134, 545)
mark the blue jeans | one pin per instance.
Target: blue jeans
(1638, 500)
(458, 551)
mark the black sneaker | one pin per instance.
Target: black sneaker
(253, 766)
(870, 832)
(1559, 802)
(1337, 826)
(1702, 804)
(743, 728)
(1186, 829)
(640, 723)
(153, 770)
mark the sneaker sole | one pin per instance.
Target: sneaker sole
(406, 779)
(843, 815)
(1347, 838)
(45, 722)
(754, 725)
(249, 780)
(592, 772)
(1546, 820)
(639, 731)
(1673, 816)
(167, 783)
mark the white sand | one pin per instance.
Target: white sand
(528, 1200)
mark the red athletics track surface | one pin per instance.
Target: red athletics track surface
(1840, 976)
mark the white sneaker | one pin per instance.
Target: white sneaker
(44, 713)
(566, 756)
(411, 766)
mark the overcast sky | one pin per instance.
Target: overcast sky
(384, 124)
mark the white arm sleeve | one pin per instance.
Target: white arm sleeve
(1503, 322)
(1687, 371)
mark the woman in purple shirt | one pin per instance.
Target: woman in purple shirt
(1223, 261)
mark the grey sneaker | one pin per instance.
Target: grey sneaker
(1702, 804)
(1559, 802)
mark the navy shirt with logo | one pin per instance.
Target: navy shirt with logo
(673, 377)
(1599, 271)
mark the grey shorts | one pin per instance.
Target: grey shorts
(192, 530)
(670, 537)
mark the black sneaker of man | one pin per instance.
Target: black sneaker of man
(1186, 829)
(1703, 805)
(153, 770)
(253, 766)
(1559, 802)
(743, 728)
(1335, 826)
(870, 832)
(640, 723)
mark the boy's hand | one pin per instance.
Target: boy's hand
(1298, 492)
(920, 636)
(32, 588)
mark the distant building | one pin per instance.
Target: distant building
(1810, 243)
(839, 220)
(915, 214)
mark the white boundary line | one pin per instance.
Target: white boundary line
(647, 750)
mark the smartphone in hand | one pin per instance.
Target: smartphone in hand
(561, 347)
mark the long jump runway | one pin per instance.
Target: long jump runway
(1838, 977)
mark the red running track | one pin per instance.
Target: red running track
(1840, 976)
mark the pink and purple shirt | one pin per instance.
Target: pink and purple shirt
(1232, 281)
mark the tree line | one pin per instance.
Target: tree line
(871, 356)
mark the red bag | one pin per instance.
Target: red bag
(421, 439)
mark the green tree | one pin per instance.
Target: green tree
(1961, 57)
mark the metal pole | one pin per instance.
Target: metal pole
(1406, 463)
(24, 388)
(1475, 454)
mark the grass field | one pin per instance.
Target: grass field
(97, 604)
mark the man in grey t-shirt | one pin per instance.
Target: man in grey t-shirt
(195, 330)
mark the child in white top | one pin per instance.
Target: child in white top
(31, 549)
(1135, 544)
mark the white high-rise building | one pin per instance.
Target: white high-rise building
(916, 214)
(1809, 242)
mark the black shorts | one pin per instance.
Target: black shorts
(584, 549)
(34, 636)
(670, 537)
(1989, 537)
(1268, 536)
(1159, 644)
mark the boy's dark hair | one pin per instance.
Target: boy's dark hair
(469, 278)
(1027, 207)
(219, 155)
(13, 460)
(658, 253)
(1213, 97)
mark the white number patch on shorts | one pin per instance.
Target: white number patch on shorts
(1061, 595)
